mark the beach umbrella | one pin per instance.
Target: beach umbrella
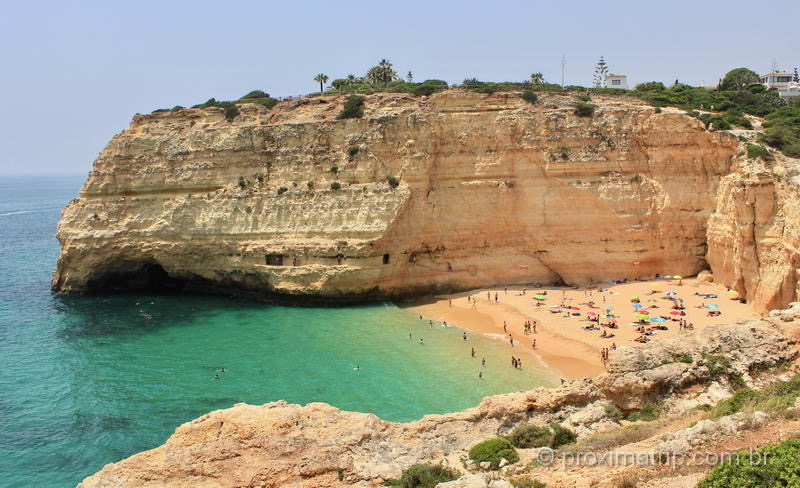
(609, 308)
(590, 313)
(671, 293)
(644, 316)
(674, 312)
(644, 312)
(657, 319)
(678, 277)
(713, 305)
(635, 297)
(539, 297)
(637, 305)
(733, 292)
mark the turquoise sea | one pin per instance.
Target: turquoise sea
(88, 380)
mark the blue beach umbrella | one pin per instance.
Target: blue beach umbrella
(671, 293)
(713, 305)
(637, 305)
(657, 319)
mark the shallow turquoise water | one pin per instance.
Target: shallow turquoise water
(90, 380)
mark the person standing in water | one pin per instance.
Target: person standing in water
(409, 337)
(483, 361)
(472, 351)
(421, 341)
(480, 374)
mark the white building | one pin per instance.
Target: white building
(792, 91)
(617, 81)
(777, 79)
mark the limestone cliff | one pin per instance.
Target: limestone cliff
(492, 190)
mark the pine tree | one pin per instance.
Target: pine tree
(600, 73)
(410, 77)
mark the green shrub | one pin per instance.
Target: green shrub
(525, 482)
(426, 476)
(334, 169)
(771, 466)
(231, 113)
(754, 151)
(613, 412)
(685, 359)
(282, 190)
(648, 412)
(583, 98)
(242, 182)
(774, 399)
(310, 185)
(529, 96)
(584, 109)
(493, 451)
(650, 86)
(393, 181)
(425, 90)
(733, 404)
(529, 435)
(353, 108)
(256, 94)
(658, 110)
(335, 185)
(562, 436)
(352, 152)
(717, 365)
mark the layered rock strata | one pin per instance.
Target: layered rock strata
(492, 190)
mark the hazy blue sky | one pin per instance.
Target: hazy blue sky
(74, 73)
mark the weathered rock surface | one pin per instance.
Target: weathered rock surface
(280, 444)
(493, 190)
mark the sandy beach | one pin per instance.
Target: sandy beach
(562, 343)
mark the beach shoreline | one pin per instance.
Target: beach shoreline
(563, 346)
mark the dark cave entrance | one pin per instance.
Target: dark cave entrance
(147, 276)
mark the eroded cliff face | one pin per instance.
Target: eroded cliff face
(754, 232)
(493, 190)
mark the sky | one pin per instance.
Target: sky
(72, 74)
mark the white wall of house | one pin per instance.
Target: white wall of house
(617, 81)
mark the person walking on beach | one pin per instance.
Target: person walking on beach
(511, 339)
(483, 361)
(450, 301)
(480, 374)
(505, 289)
(505, 329)
(533, 346)
(489, 296)
(495, 297)
(472, 351)
(513, 361)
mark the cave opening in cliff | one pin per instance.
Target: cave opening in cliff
(146, 276)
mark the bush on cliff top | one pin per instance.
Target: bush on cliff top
(771, 466)
(584, 109)
(493, 451)
(774, 399)
(353, 108)
(529, 96)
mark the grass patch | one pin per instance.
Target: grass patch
(526, 482)
(647, 413)
(774, 399)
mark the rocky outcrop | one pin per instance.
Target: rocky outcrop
(285, 445)
(754, 232)
(492, 190)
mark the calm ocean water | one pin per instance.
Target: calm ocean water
(90, 380)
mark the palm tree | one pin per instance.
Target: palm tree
(321, 79)
(537, 78)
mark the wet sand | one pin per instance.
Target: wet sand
(562, 344)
